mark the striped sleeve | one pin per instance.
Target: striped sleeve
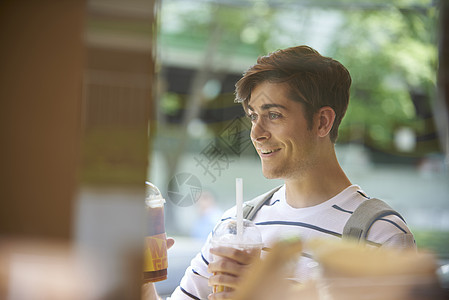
(388, 231)
(194, 283)
(391, 231)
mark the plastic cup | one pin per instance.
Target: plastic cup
(225, 235)
(155, 255)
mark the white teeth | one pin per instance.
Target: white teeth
(268, 151)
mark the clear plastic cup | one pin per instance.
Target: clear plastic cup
(155, 256)
(225, 234)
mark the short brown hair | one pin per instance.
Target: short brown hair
(314, 80)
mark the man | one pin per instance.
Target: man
(295, 99)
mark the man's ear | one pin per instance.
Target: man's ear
(326, 118)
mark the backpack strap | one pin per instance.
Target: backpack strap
(361, 220)
(251, 207)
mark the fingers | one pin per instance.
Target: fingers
(243, 257)
(170, 242)
(149, 292)
(225, 265)
(221, 296)
(225, 280)
(228, 266)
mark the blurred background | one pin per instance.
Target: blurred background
(100, 95)
(393, 141)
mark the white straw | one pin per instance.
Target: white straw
(239, 205)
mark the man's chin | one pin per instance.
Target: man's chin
(269, 174)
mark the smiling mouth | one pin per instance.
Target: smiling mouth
(266, 151)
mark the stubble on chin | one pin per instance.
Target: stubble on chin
(284, 172)
(271, 173)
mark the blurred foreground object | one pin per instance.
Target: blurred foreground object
(268, 278)
(346, 271)
(44, 270)
(350, 271)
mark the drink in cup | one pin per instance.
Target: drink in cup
(226, 235)
(155, 255)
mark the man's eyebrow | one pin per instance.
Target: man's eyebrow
(268, 106)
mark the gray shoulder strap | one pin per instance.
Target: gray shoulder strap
(251, 207)
(361, 220)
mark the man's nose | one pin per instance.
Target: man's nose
(259, 131)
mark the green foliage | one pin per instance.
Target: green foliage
(391, 54)
(433, 240)
(390, 49)
(170, 103)
(242, 31)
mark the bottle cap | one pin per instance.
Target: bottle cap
(153, 195)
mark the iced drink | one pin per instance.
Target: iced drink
(155, 256)
(225, 234)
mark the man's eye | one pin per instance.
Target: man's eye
(252, 117)
(273, 116)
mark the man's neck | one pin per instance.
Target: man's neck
(320, 184)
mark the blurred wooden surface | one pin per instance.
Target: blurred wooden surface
(347, 271)
(76, 96)
(42, 62)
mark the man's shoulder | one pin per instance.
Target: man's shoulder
(252, 206)
(365, 215)
(376, 221)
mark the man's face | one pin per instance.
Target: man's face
(279, 132)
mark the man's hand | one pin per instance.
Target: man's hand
(228, 267)
(149, 292)
(170, 242)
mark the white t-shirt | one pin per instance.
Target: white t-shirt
(277, 219)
